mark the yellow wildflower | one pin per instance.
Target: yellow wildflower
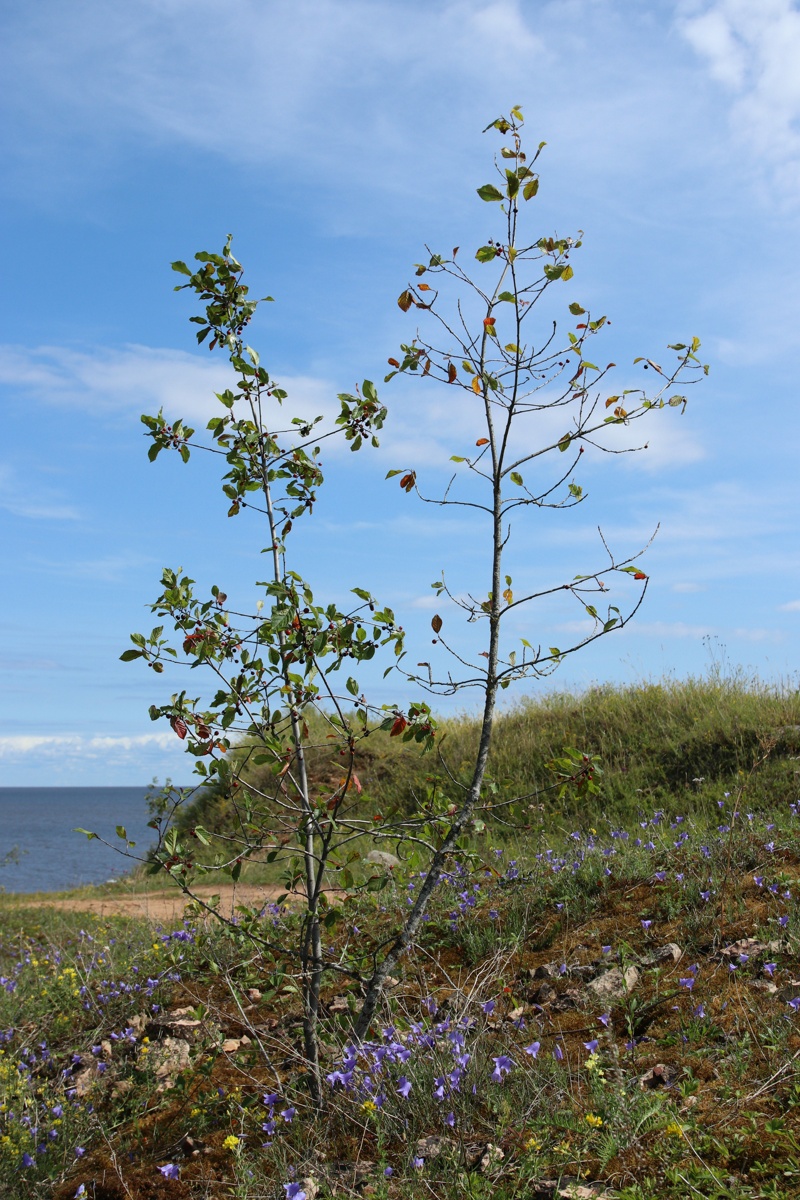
(593, 1120)
(231, 1142)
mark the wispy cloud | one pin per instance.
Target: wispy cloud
(32, 499)
(753, 50)
(791, 606)
(134, 379)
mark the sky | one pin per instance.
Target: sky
(335, 139)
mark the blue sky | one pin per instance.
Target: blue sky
(334, 138)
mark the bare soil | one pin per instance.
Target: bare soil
(167, 905)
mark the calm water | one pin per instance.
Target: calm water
(40, 822)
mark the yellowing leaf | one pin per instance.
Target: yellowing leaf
(476, 385)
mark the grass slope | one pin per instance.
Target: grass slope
(601, 1006)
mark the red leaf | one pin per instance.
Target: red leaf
(398, 727)
(451, 373)
(640, 575)
(393, 362)
(436, 623)
(179, 726)
(482, 442)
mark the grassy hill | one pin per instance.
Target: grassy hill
(601, 1003)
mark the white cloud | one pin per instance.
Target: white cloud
(753, 50)
(791, 606)
(311, 80)
(134, 379)
(79, 746)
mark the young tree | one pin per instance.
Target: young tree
(272, 668)
(516, 379)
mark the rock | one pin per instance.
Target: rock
(664, 954)
(566, 1189)
(749, 946)
(253, 995)
(231, 1045)
(614, 984)
(83, 1081)
(546, 971)
(176, 1023)
(434, 1146)
(763, 985)
(382, 858)
(169, 1057)
(491, 1156)
(544, 994)
(586, 971)
(791, 991)
(567, 1000)
(658, 1076)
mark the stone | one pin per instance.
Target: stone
(658, 1076)
(614, 984)
(434, 1146)
(169, 1057)
(382, 858)
(664, 954)
(491, 1156)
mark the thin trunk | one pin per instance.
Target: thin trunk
(311, 948)
(437, 864)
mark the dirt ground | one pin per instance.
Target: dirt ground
(167, 905)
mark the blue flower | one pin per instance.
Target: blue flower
(502, 1065)
(170, 1171)
(294, 1191)
(403, 1087)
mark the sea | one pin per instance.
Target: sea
(39, 849)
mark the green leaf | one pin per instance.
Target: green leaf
(181, 268)
(489, 192)
(509, 296)
(352, 686)
(457, 458)
(130, 655)
(516, 478)
(88, 833)
(530, 189)
(576, 309)
(486, 254)
(553, 272)
(567, 273)
(122, 833)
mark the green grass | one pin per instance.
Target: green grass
(504, 962)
